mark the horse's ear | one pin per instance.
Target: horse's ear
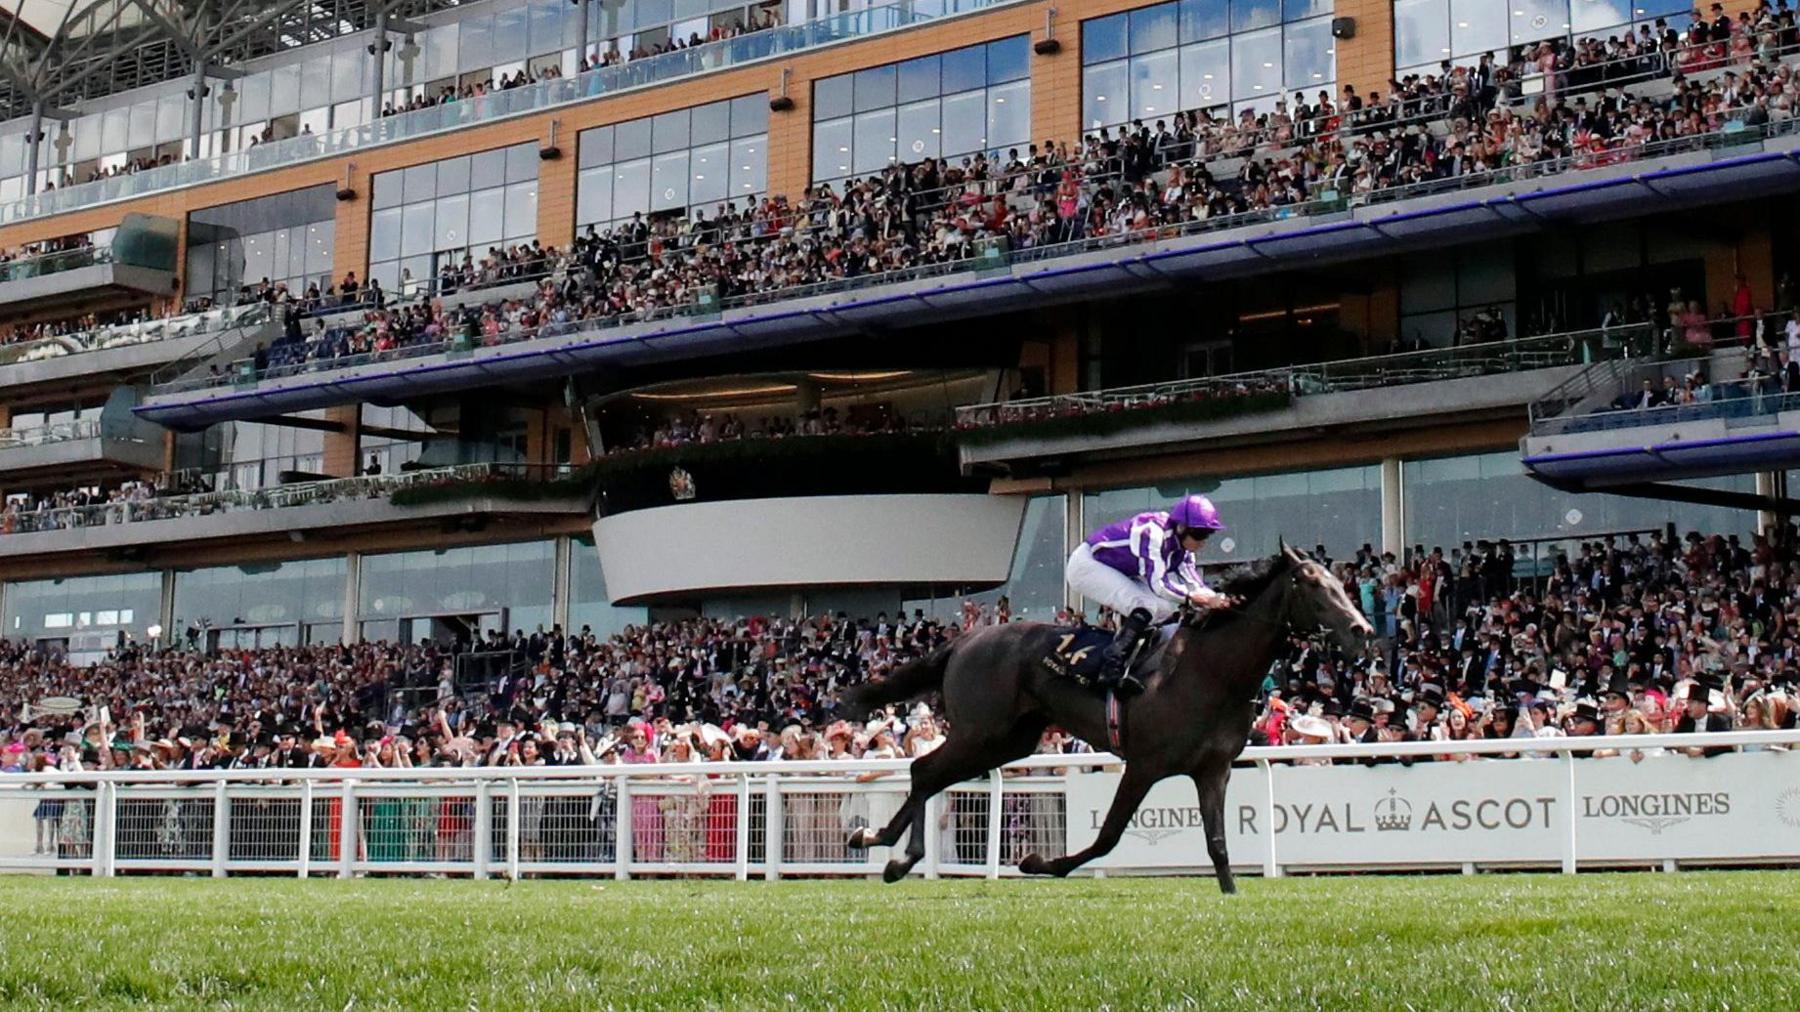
(1288, 553)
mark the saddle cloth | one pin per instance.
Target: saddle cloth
(1077, 653)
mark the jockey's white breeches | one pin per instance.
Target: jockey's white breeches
(1102, 584)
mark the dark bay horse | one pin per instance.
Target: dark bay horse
(1192, 719)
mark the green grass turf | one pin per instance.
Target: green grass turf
(1644, 940)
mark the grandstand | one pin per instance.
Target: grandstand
(573, 358)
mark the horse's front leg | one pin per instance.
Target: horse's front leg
(1133, 786)
(1211, 782)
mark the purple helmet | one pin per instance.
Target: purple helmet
(1196, 511)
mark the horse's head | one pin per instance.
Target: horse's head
(1316, 600)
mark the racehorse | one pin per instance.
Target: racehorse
(1192, 718)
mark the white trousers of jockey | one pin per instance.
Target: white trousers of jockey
(1144, 568)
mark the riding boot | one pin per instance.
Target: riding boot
(1118, 653)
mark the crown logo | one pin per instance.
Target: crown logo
(1393, 812)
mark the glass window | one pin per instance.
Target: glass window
(513, 581)
(260, 594)
(1104, 39)
(917, 128)
(710, 123)
(872, 141)
(1308, 58)
(749, 116)
(631, 139)
(918, 79)
(590, 606)
(1206, 74)
(1105, 97)
(964, 69)
(1421, 32)
(452, 230)
(452, 176)
(1008, 59)
(1294, 10)
(1154, 85)
(832, 96)
(668, 181)
(831, 149)
(1153, 28)
(1249, 15)
(1204, 19)
(37, 609)
(521, 163)
(631, 187)
(710, 167)
(749, 167)
(965, 124)
(874, 88)
(1256, 64)
(1533, 20)
(669, 131)
(594, 147)
(521, 211)
(1479, 27)
(487, 217)
(487, 169)
(1450, 500)
(1034, 585)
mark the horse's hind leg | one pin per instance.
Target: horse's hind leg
(1133, 786)
(933, 772)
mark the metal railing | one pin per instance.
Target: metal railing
(275, 497)
(776, 819)
(40, 264)
(1429, 365)
(127, 334)
(55, 432)
(495, 105)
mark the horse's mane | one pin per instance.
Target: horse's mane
(1246, 582)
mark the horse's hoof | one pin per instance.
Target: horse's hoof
(1228, 888)
(895, 871)
(856, 841)
(1034, 864)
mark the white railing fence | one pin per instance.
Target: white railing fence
(1554, 808)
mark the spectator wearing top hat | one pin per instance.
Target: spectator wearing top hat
(1583, 722)
(1698, 716)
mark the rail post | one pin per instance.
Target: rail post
(221, 836)
(772, 827)
(622, 830)
(741, 844)
(996, 803)
(105, 830)
(482, 849)
(1271, 865)
(933, 817)
(347, 831)
(512, 829)
(306, 828)
(1570, 854)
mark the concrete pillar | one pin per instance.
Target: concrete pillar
(583, 22)
(562, 587)
(1074, 532)
(352, 598)
(165, 612)
(1770, 484)
(1393, 509)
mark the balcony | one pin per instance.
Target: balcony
(1440, 383)
(132, 348)
(1589, 434)
(290, 512)
(84, 450)
(1732, 164)
(139, 262)
(744, 50)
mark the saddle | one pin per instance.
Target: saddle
(1079, 652)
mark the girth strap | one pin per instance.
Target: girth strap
(1115, 719)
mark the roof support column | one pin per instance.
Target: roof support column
(197, 109)
(581, 19)
(378, 50)
(34, 139)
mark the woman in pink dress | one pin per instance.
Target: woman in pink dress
(646, 817)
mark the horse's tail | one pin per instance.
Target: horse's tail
(914, 678)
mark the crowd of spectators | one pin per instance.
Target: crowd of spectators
(1629, 635)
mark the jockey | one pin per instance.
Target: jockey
(1143, 568)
